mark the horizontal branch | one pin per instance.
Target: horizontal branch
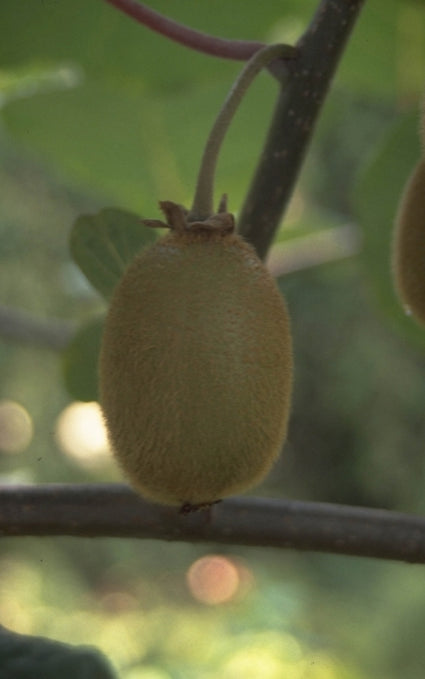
(21, 326)
(113, 510)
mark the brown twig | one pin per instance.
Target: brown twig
(218, 47)
(113, 510)
(296, 113)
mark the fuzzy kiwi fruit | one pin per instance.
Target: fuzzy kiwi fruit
(196, 364)
(409, 245)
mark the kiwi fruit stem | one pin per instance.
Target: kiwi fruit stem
(202, 206)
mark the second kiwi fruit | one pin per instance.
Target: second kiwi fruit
(409, 245)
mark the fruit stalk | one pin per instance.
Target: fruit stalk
(202, 206)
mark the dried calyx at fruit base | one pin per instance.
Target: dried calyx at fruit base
(196, 359)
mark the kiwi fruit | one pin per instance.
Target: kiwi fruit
(409, 245)
(196, 364)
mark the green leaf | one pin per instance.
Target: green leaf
(133, 126)
(80, 360)
(376, 197)
(108, 44)
(134, 148)
(385, 55)
(102, 245)
(387, 43)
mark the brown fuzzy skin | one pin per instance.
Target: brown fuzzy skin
(409, 245)
(196, 369)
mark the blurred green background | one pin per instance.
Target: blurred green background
(96, 111)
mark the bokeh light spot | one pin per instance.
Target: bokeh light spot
(16, 428)
(214, 579)
(81, 434)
